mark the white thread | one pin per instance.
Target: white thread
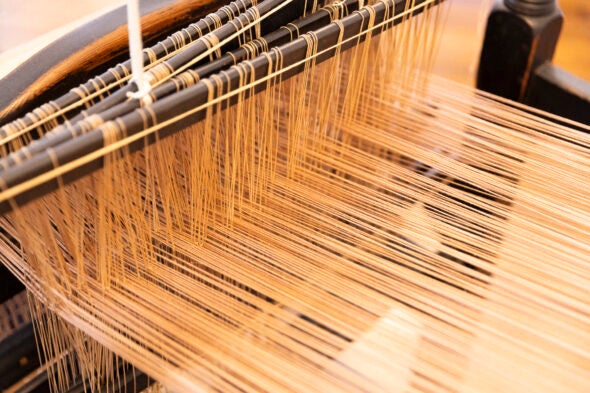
(136, 51)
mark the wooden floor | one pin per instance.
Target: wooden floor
(21, 21)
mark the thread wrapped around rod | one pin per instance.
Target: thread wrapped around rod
(324, 215)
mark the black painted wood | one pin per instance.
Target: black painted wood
(515, 43)
(556, 91)
(515, 63)
(9, 285)
(18, 356)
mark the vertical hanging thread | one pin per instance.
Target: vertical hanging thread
(136, 51)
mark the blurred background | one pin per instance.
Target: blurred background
(25, 25)
(24, 20)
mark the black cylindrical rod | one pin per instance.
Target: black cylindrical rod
(66, 132)
(292, 53)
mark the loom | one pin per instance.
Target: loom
(529, 28)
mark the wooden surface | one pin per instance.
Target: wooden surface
(457, 58)
(462, 39)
